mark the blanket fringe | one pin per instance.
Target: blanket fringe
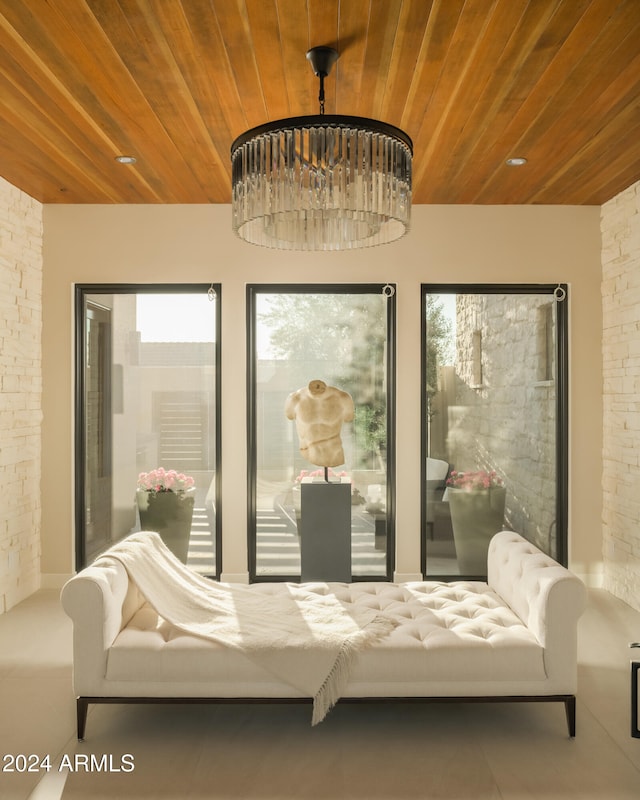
(333, 686)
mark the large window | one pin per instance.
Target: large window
(342, 336)
(494, 422)
(147, 399)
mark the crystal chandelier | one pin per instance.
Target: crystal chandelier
(323, 182)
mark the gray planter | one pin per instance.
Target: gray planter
(476, 516)
(170, 515)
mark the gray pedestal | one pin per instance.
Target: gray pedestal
(325, 532)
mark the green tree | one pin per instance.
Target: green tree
(307, 327)
(346, 334)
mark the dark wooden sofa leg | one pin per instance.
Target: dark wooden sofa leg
(569, 700)
(82, 706)
(570, 710)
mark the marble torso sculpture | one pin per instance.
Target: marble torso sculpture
(319, 411)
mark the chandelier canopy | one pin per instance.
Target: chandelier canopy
(323, 182)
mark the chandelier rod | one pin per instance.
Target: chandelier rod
(322, 59)
(321, 95)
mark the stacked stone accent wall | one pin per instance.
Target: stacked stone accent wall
(20, 393)
(620, 227)
(503, 415)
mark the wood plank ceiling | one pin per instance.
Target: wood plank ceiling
(173, 82)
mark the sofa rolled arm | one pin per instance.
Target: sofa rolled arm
(546, 596)
(99, 601)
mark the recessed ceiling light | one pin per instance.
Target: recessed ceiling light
(126, 159)
(518, 161)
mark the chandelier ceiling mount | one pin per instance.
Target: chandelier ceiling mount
(321, 60)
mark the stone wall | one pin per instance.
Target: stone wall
(620, 227)
(20, 393)
(503, 417)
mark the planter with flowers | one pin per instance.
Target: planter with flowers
(165, 502)
(476, 501)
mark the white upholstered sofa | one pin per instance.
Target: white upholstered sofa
(512, 638)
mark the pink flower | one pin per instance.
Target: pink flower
(161, 480)
(474, 480)
(319, 473)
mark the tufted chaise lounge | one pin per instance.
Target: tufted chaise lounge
(512, 638)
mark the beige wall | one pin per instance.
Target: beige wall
(130, 244)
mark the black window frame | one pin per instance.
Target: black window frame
(559, 291)
(252, 291)
(81, 290)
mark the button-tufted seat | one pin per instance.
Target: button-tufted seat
(514, 637)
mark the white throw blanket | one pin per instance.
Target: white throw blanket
(305, 639)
